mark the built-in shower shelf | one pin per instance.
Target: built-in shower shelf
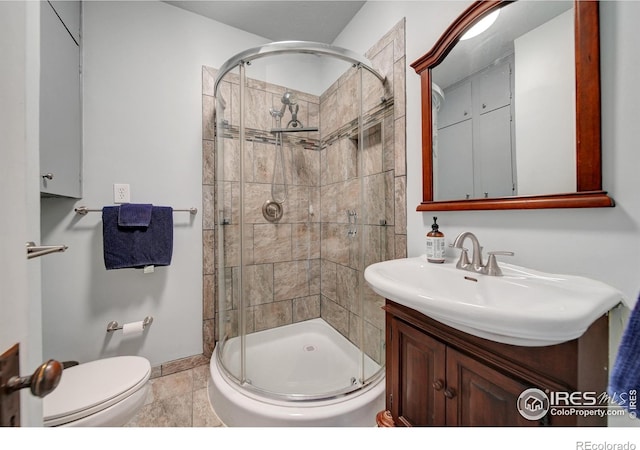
(370, 130)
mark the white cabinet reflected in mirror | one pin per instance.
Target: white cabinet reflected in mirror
(508, 108)
(514, 116)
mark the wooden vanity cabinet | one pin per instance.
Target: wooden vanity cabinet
(440, 376)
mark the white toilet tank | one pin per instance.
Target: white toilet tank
(106, 392)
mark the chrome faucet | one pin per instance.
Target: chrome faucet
(476, 264)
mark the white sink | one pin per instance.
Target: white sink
(522, 307)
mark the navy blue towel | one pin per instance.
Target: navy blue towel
(135, 214)
(625, 377)
(136, 247)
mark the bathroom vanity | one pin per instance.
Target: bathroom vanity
(440, 376)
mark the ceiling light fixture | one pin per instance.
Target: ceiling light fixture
(481, 26)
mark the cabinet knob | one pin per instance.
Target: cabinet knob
(438, 385)
(449, 393)
(48, 176)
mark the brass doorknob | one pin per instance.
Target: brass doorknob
(42, 382)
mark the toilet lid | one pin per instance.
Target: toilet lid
(91, 387)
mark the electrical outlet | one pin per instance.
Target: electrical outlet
(121, 193)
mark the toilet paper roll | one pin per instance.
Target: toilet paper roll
(132, 328)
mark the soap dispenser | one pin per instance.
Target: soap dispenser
(435, 244)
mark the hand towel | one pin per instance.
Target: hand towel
(625, 376)
(137, 247)
(134, 214)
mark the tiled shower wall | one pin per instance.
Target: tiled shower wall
(282, 268)
(306, 265)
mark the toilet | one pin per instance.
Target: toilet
(103, 393)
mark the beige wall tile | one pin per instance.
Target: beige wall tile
(400, 151)
(329, 281)
(335, 315)
(272, 243)
(259, 287)
(208, 293)
(306, 241)
(208, 162)
(208, 124)
(399, 96)
(208, 215)
(208, 77)
(401, 206)
(306, 308)
(291, 280)
(207, 252)
(273, 315)
(347, 288)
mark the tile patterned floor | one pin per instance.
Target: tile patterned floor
(178, 400)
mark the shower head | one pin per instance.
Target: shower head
(289, 98)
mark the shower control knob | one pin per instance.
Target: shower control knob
(48, 176)
(44, 380)
(272, 210)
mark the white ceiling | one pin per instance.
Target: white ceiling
(318, 21)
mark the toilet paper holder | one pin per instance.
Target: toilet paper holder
(113, 325)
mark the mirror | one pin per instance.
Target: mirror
(500, 133)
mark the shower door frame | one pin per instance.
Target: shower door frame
(240, 61)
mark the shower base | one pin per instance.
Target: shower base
(303, 358)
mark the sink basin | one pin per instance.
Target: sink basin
(523, 307)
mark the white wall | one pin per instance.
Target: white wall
(143, 126)
(545, 90)
(602, 243)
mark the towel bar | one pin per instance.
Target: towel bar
(83, 210)
(33, 250)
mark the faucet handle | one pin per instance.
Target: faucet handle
(492, 265)
(463, 262)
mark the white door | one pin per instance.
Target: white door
(20, 306)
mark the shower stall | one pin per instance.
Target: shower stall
(304, 202)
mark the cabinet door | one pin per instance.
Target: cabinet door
(493, 162)
(478, 395)
(418, 377)
(493, 88)
(454, 162)
(60, 111)
(457, 105)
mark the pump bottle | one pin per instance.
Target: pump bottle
(435, 244)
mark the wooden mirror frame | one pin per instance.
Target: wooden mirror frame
(589, 192)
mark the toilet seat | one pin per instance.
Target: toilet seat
(89, 388)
